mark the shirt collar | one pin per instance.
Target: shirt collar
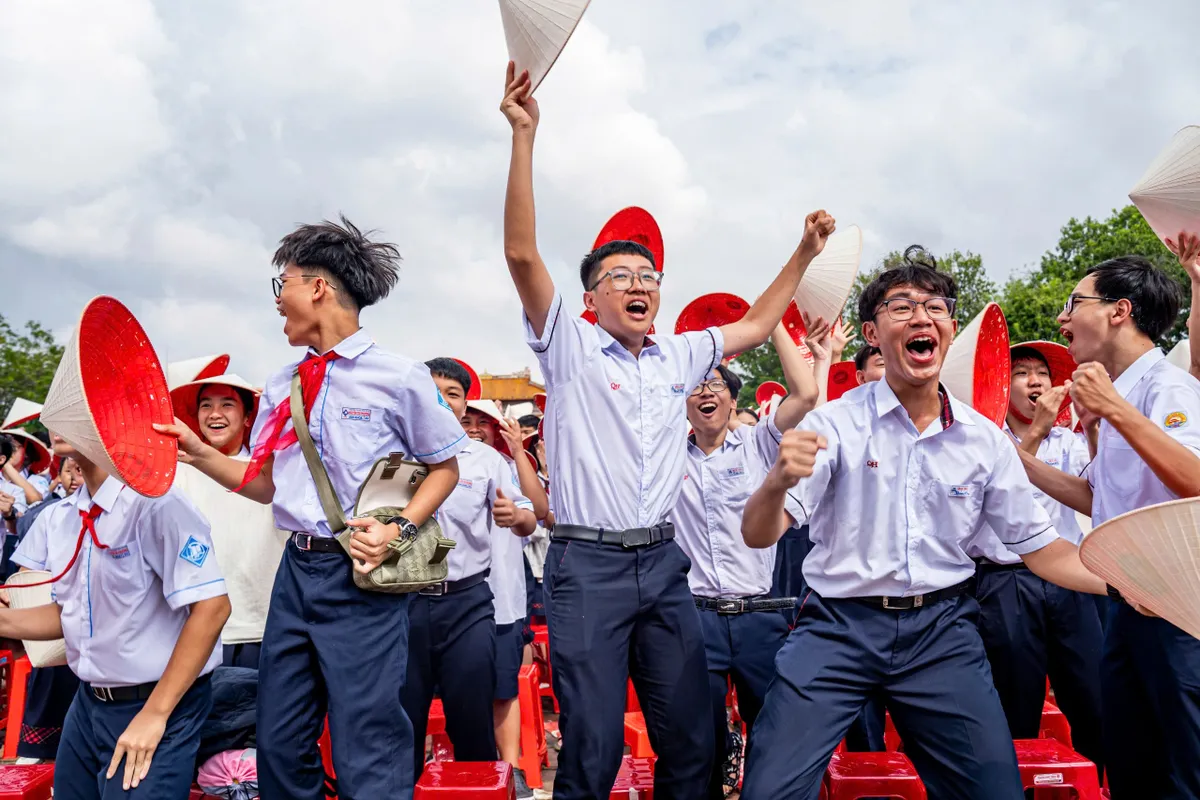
(352, 346)
(106, 495)
(953, 409)
(1134, 373)
(607, 342)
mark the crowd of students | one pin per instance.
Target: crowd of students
(890, 551)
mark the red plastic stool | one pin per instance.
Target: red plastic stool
(533, 726)
(631, 698)
(1049, 763)
(1054, 725)
(541, 657)
(891, 736)
(634, 779)
(636, 735)
(436, 727)
(854, 775)
(466, 780)
(18, 682)
(26, 782)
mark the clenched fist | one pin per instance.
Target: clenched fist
(797, 455)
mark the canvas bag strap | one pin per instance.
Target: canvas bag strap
(329, 499)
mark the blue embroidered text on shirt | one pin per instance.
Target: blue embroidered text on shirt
(677, 388)
(465, 483)
(960, 491)
(735, 472)
(194, 552)
(118, 552)
(358, 414)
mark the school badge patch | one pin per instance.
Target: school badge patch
(1175, 420)
(442, 401)
(194, 552)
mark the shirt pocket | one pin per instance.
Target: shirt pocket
(119, 573)
(354, 436)
(957, 506)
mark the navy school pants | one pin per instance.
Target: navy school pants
(330, 646)
(452, 652)
(615, 613)
(90, 735)
(930, 668)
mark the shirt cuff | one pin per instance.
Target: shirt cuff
(1034, 543)
(540, 344)
(197, 592)
(27, 562)
(718, 346)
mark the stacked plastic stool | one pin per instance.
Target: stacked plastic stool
(466, 780)
(1054, 725)
(26, 781)
(637, 737)
(854, 775)
(534, 755)
(1048, 763)
(635, 780)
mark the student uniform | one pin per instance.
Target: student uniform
(1150, 670)
(743, 626)
(328, 645)
(616, 592)
(123, 609)
(452, 636)
(1032, 628)
(889, 612)
(509, 599)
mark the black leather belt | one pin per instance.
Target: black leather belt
(321, 544)
(916, 601)
(743, 605)
(987, 565)
(121, 694)
(460, 585)
(632, 537)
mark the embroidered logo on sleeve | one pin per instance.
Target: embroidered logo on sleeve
(1175, 420)
(361, 414)
(194, 552)
(961, 491)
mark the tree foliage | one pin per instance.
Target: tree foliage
(28, 360)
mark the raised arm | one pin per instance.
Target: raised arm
(531, 484)
(754, 328)
(1187, 248)
(802, 386)
(32, 495)
(529, 273)
(229, 472)
(817, 338)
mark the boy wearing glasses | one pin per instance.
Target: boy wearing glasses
(617, 597)
(901, 476)
(1148, 452)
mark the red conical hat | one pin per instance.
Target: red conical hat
(767, 390)
(43, 456)
(634, 224)
(490, 408)
(476, 390)
(843, 376)
(1062, 367)
(185, 399)
(107, 393)
(977, 369)
(193, 369)
(711, 310)
(793, 322)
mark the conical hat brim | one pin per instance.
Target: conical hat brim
(1168, 194)
(107, 394)
(830, 277)
(20, 412)
(634, 224)
(843, 376)
(537, 31)
(476, 390)
(41, 653)
(193, 369)
(1152, 556)
(768, 390)
(978, 368)
(44, 456)
(185, 400)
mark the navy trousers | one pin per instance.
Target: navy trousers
(48, 697)
(1032, 629)
(330, 646)
(930, 668)
(1150, 675)
(90, 735)
(244, 655)
(452, 652)
(741, 647)
(615, 613)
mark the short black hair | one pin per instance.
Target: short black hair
(365, 271)
(451, 370)
(1154, 295)
(7, 447)
(620, 247)
(1019, 353)
(529, 421)
(865, 354)
(919, 269)
(732, 381)
(749, 411)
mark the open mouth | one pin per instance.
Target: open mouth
(217, 426)
(1033, 397)
(921, 348)
(707, 408)
(637, 308)
(475, 435)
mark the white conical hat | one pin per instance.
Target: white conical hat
(1168, 195)
(830, 277)
(492, 409)
(537, 32)
(193, 369)
(41, 654)
(978, 369)
(1181, 355)
(1152, 556)
(20, 412)
(107, 394)
(185, 398)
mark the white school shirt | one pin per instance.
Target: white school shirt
(507, 577)
(892, 510)
(616, 426)
(123, 608)
(466, 515)
(371, 403)
(1169, 397)
(1062, 450)
(708, 515)
(247, 545)
(39, 482)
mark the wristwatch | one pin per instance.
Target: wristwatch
(407, 529)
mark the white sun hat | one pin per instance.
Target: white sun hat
(830, 277)
(193, 369)
(20, 412)
(490, 408)
(978, 368)
(537, 31)
(1168, 195)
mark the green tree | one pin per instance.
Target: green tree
(1033, 301)
(27, 363)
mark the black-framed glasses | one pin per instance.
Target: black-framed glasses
(716, 386)
(622, 279)
(277, 283)
(902, 308)
(1073, 300)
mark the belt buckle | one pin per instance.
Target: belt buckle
(103, 694)
(635, 537)
(436, 590)
(730, 606)
(303, 537)
(902, 606)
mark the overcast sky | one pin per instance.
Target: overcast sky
(158, 151)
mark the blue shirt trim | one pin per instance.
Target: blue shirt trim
(440, 449)
(195, 586)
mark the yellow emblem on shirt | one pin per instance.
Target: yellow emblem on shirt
(1175, 420)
